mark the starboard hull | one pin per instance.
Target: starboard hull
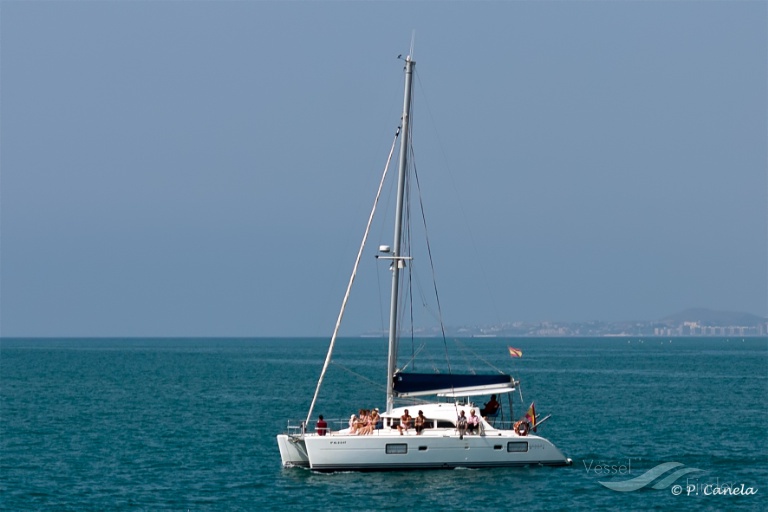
(387, 452)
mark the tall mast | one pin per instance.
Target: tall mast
(398, 261)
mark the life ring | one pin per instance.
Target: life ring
(521, 428)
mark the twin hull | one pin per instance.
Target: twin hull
(429, 451)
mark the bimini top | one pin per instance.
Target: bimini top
(416, 384)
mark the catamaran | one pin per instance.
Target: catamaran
(443, 441)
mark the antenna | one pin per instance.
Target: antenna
(413, 40)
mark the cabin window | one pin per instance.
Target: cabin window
(422, 448)
(397, 448)
(517, 446)
(445, 424)
(497, 447)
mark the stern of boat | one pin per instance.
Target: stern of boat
(293, 451)
(549, 454)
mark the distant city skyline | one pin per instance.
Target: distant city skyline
(691, 322)
(206, 168)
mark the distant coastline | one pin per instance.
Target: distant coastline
(691, 322)
(694, 323)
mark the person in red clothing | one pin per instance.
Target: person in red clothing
(490, 407)
(321, 427)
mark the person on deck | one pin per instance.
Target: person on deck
(322, 426)
(461, 424)
(359, 422)
(490, 407)
(373, 419)
(405, 422)
(473, 423)
(419, 423)
(364, 423)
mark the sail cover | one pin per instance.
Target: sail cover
(415, 384)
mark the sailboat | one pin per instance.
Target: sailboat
(441, 442)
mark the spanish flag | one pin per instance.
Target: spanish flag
(515, 352)
(531, 416)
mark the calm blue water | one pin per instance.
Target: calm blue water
(190, 424)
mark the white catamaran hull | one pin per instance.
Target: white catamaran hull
(433, 450)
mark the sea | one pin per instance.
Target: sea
(189, 424)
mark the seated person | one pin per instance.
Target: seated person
(461, 424)
(405, 422)
(490, 407)
(473, 423)
(358, 423)
(371, 418)
(419, 423)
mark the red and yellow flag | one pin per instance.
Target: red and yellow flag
(531, 416)
(515, 352)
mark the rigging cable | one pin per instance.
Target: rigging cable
(432, 267)
(359, 375)
(483, 278)
(352, 278)
(478, 356)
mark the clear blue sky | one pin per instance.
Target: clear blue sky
(205, 168)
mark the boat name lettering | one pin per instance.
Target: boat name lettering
(338, 442)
